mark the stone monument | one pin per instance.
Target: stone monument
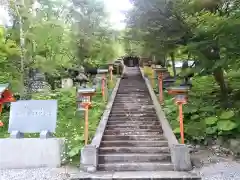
(32, 116)
(38, 82)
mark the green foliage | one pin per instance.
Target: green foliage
(57, 35)
(70, 123)
(203, 115)
(211, 120)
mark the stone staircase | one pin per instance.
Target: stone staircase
(133, 139)
(129, 142)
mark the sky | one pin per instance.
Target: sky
(4, 18)
(115, 9)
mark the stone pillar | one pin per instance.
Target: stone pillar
(67, 83)
(89, 158)
(180, 156)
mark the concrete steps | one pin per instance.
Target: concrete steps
(135, 127)
(131, 149)
(139, 166)
(133, 118)
(132, 115)
(133, 157)
(133, 139)
(134, 123)
(151, 132)
(139, 175)
(134, 143)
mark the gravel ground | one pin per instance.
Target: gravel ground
(213, 166)
(218, 171)
(216, 164)
(221, 171)
(36, 174)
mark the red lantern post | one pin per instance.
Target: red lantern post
(6, 97)
(103, 84)
(180, 94)
(84, 103)
(110, 67)
(160, 72)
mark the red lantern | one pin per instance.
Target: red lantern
(6, 97)
(180, 94)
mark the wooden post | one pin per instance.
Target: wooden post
(181, 99)
(160, 82)
(103, 87)
(86, 125)
(180, 106)
(111, 73)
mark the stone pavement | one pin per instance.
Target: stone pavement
(221, 171)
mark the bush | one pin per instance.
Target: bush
(204, 117)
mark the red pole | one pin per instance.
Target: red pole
(86, 125)
(160, 88)
(181, 122)
(111, 74)
(103, 87)
(1, 123)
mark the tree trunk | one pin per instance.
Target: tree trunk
(219, 77)
(173, 64)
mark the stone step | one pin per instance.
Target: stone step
(134, 133)
(139, 175)
(111, 158)
(133, 111)
(127, 89)
(142, 95)
(133, 115)
(131, 99)
(132, 108)
(133, 105)
(155, 175)
(152, 132)
(134, 143)
(132, 90)
(135, 127)
(133, 123)
(131, 137)
(134, 95)
(144, 150)
(114, 118)
(145, 166)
